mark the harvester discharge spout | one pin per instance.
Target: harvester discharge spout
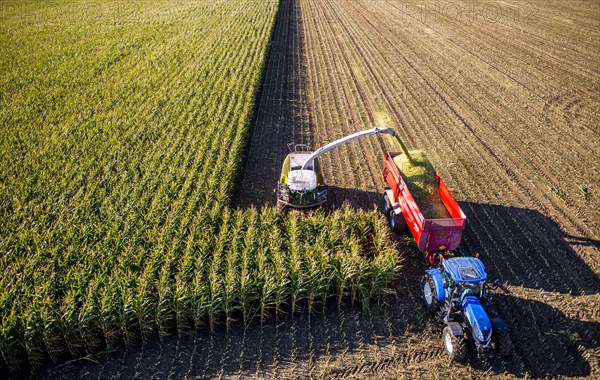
(344, 140)
(301, 183)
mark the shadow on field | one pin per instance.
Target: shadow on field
(355, 198)
(525, 249)
(522, 247)
(548, 342)
(279, 114)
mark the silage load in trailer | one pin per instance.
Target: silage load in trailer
(419, 175)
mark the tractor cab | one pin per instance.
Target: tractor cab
(465, 269)
(468, 273)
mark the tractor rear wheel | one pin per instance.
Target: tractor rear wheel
(430, 294)
(503, 344)
(455, 346)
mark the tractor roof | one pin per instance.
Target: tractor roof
(465, 269)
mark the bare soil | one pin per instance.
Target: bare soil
(504, 96)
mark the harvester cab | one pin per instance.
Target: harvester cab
(301, 187)
(456, 292)
(301, 184)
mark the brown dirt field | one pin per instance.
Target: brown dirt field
(504, 96)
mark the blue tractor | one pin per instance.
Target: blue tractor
(454, 292)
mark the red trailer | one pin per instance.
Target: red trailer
(435, 237)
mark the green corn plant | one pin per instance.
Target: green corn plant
(109, 315)
(53, 338)
(88, 319)
(278, 263)
(165, 318)
(33, 339)
(249, 276)
(145, 302)
(128, 319)
(214, 299)
(12, 345)
(182, 301)
(200, 296)
(294, 262)
(68, 318)
(230, 256)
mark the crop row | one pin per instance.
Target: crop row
(121, 139)
(259, 265)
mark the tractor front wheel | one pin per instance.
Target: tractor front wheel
(455, 346)
(430, 294)
(503, 344)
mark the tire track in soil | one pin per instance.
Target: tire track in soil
(548, 244)
(326, 124)
(475, 118)
(517, 232)
(578, 211)
(501, 235)
(279, 119)
(352, 83)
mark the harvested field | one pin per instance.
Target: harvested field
(504, 97)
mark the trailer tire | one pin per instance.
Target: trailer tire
(503, 344)
(387, 208)
(455, 346)
(393, 222)
(429, 294)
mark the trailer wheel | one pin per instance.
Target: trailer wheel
(430, 294)
(393, 222)
(455, 346)
(386, 205)
(503, 344)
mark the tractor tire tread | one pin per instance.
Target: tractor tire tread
(504, 345)
(435, 304)
(459, 344)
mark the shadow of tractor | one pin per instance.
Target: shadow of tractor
(554, 306)
(547, 342)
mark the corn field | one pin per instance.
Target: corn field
(122, 131)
